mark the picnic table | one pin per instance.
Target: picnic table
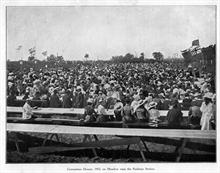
(128, 135)
(11, 109)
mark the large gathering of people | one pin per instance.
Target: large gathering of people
(136, 91)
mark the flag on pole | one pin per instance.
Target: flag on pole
(32, 51)
(19, 47)
(195, 42)
(44, 53)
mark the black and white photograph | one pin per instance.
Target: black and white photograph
(111, 84)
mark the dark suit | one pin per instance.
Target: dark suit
(54, 101)
(174, 117)
(66, 101)
(78, 100)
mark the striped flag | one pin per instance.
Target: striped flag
(32, 50)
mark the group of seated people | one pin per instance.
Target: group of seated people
(144, 110)
(135, 91)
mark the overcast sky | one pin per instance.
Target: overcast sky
(103, 32)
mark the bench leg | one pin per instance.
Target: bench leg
(17, 143)
(128, 148)
(141, 151)
(96, 138)
(181, 148)
(50, 137)
(57, 137)
(85, 138)
(45, 139)
(88, 138)
(145, 146)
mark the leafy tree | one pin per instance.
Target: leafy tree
(128, 56)
(31, 58)
(51, 58)
(158, 56)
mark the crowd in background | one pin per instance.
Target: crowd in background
(133, 90)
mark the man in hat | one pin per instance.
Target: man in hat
(66, 99)
(78, 98)
(54, 100)
(141, 112)
(101, 112)
(89, 114)
(117, 110)
(207, 111)
(174, 115)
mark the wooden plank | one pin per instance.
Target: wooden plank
(85, 145)
(44, 121)
(72, 111)
(40, 128)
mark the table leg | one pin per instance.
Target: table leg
(145, 146)
(96, 138)
(88, 138)
(45, 140)
(181, 148)
(141, 151)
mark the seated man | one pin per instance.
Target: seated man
(101, 112)
(117, 110)
(174, 115)
(194, 116)
(89, 114)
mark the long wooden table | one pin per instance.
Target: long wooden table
(72, 111)
(134, 136)
(62, 129)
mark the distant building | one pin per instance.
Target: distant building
(201, 58)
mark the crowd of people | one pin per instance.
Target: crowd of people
(136, 91)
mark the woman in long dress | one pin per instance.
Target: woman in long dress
(207, 112)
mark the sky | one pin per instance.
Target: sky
(106, 31)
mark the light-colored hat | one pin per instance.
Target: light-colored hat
(90, 100)
(10, 83)
(152, 104)
(208, 95)
(214, 97)
(78, 88)
(196, 94)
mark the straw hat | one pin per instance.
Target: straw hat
(152, 104)
(208, 95)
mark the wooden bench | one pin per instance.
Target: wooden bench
(72, 111)
(133, 135)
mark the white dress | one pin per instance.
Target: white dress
(27, 111)
(207, 113)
